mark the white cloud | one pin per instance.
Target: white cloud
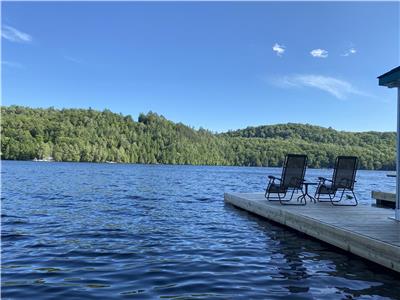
(336, 87)
(350, 52)
(72, 59)
(279, 49)
(319, 53)
(11, 64)
(14, 35)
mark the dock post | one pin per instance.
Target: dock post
(391, 79)
(397, 207)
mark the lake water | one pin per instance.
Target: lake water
(82, 231)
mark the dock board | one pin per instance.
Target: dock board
(362, 230)
(384, 199)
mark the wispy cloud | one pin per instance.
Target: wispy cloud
(321, 53)
(350, 51)
(11, 64)
(279, 49)
(73, 59)
(338, 88)
(14, 35)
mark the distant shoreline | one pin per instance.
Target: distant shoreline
(87, 135)
(181, 165)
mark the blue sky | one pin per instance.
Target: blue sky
(218, 65)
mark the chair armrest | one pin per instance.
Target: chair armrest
(324, 179)
(273, 178)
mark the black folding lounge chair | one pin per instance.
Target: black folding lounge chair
(292, 178)
(343, 178)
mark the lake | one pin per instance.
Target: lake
(82, 230)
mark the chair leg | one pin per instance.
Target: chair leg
(278, 198)
(351, 204)
(355, 198)
(328, 199)
(317, 195)
(341, 197)
(269, 197)
(291, 197)
(298, 204)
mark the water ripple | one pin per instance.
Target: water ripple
(90, 231)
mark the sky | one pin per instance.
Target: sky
(217, 65)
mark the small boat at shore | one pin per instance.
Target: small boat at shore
(45, 159)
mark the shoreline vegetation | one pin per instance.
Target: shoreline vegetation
(87, 135)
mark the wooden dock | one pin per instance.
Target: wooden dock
(362, 230)
(384, 199)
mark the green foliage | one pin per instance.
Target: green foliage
(87, 135)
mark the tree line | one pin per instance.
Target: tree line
(87, 135)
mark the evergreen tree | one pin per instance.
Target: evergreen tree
(94, 136)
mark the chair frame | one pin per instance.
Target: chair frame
(331, 196)
(272, 180)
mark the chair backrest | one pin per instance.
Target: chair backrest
(344, 173)
(294, 169)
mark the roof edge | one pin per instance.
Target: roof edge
(394, 70)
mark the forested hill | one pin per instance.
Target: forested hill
(317, 134)
(88, 135)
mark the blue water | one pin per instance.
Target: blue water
(83, 231)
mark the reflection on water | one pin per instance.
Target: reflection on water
(108, 230)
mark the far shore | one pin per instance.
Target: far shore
(182, 165)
